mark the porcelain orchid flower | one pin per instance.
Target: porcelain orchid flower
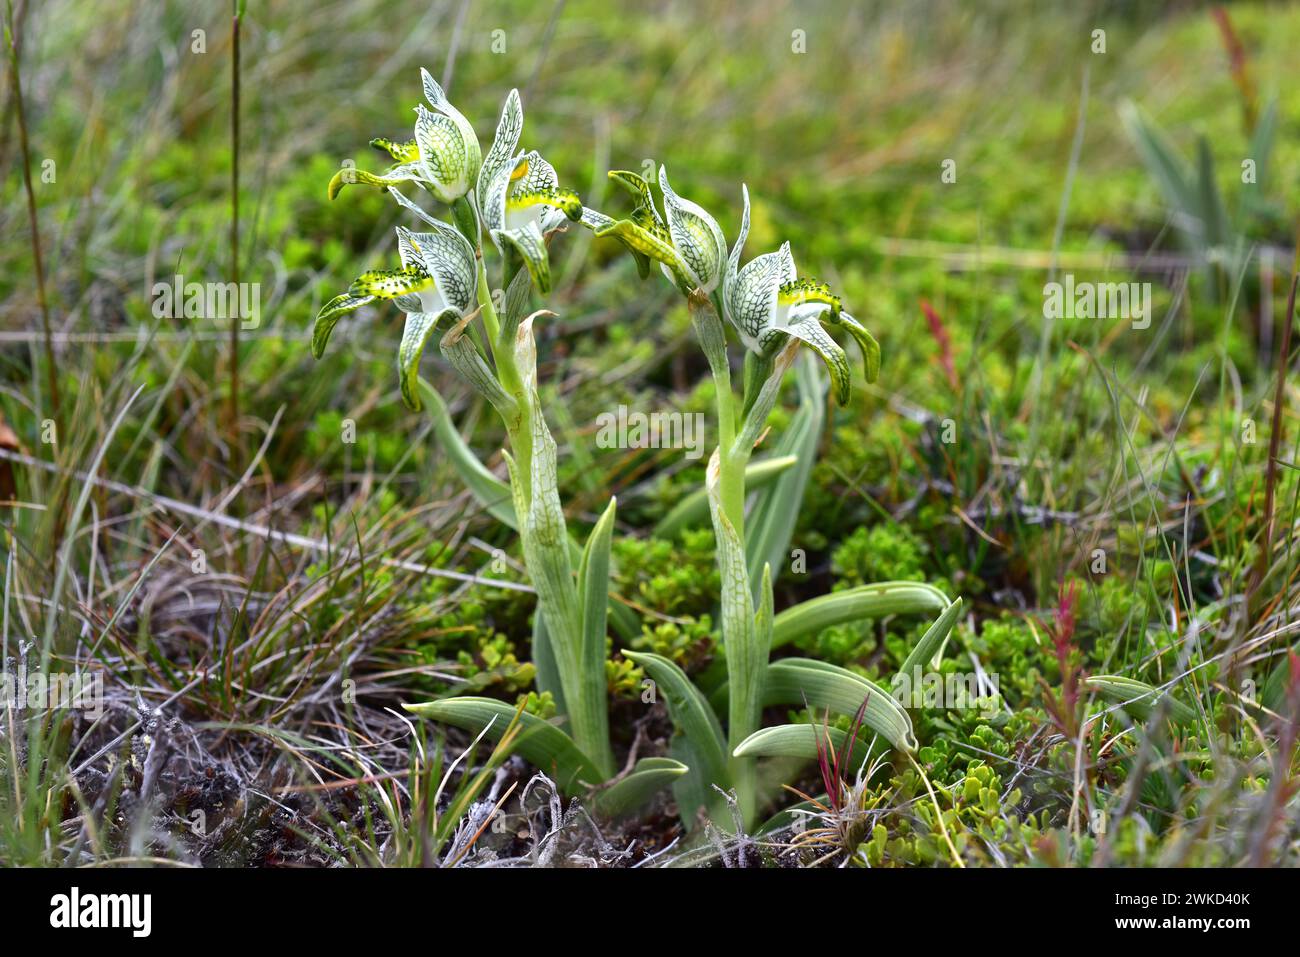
(443, 157)
(436, 283)
(686, 242)
(520, 197)
(767, 302)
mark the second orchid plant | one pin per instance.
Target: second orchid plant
(514, 198)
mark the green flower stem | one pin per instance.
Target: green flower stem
(746, 649)
(507, 369)
(546, 540)
(704, 315)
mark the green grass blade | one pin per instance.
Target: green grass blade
(650, 776)
(1139, 698)
(690, 714)
(539, 742)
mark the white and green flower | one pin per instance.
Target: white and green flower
(686, 242)
(767, 302)
(520, 197)
(435, 283)
(443, 157)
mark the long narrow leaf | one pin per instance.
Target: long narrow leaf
(931, 641)
(690, 714)
(492, 493)
(1139, 698)
(593, 591)
(1163, 163)
(650, 776)
(771, 522)
(855, 604)
(792, 681)
(540, 743)
(800, 741)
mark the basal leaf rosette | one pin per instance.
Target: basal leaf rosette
(435, 284)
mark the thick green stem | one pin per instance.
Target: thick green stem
(746, 651)
(546, 540)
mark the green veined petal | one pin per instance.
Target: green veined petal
(502, 151)
(448, 257)
(733, 261)
(654, 245)
(594, 219)
(444, 154)
(598, 222)
(811, 332)
(415, 336)
(751, 299)
(531, 246)
(328, 318)
(438, 100)
(562, 199)
(406, 152)
(639, 187)
(695, 235)
(532, 172)
(805, 290)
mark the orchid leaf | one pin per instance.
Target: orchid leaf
(539, 742)
(650, 776)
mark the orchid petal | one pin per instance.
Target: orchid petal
(696, 236)
(501, 154)
(530, 244)
(811, 332)
(328, 318)
(415, 336)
